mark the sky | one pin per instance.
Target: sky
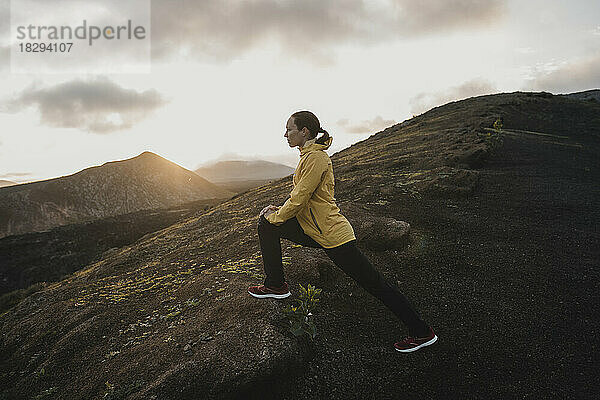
(217, 80)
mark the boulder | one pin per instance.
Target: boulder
(382, 233)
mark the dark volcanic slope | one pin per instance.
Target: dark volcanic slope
(119, 187)
(51, 255)
(502, 262)
(587, 95)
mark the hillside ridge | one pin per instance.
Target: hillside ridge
(143, 182)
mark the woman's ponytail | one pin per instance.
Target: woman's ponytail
(309, 120)
(323, 137)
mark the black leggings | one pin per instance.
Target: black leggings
(348, 257)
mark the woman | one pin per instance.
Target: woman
(311, 218)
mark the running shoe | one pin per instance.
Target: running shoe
(277, 293)
(415, 343)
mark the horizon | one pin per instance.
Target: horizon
(224, 157)
(208, 163)
(224, 79)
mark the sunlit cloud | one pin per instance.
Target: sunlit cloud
(475, 87)
(99, 105)
(366, 126)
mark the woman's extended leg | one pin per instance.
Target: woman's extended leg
(270, 245)
(353, 262)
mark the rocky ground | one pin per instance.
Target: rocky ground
(501, 260)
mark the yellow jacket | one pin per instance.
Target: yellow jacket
(311, 200)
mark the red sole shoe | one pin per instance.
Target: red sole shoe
(411, 344)
(262, 292)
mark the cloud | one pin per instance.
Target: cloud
(475, 87)
(221, 30)
(99, 106)
(568, 77)
(431, 16)
(366, 126)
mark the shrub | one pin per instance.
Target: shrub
(300, 315)
(498, 123)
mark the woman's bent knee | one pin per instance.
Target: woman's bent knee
(264, 225)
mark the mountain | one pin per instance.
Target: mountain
(500, 258)
(7, 183)
(587, 95)
(118, 187)
(239, 176)
(227, 171)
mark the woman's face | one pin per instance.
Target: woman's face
(293, 135)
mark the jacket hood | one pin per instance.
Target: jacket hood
(310, 145)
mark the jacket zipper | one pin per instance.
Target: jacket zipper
(314, 220)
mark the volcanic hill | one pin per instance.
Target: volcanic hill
(241, 175)
(501, 259)
(144, 182)
(4, 182)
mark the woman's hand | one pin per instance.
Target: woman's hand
(268, 210)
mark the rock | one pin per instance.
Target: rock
(383, 233)
(187, 348)
(473, 158)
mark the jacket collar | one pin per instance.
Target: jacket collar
(310, 146)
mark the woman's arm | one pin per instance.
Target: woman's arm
(315, 165)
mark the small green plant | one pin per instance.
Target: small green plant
(494, 136)
(300, 315)
(498, 123)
